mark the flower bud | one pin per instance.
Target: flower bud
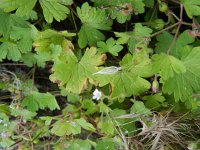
(155, 86)
(158, 24)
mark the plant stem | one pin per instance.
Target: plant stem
(165, 29)
(177, 30)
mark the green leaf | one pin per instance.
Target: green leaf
(153, 101)
(79, 144)
(36, 101)
(135, 38)
(165, 39)
(68, 71)
(93, 20)
(88, 35)
(90, 106)
(22, 7)
(106, 126)
(10, 21)
(118, 10)
(28, 59)
(23, 38)
(61, 128)
(192, 7)
(139, 108)
(41, 58)
(167, 65)
(25, 114)
(9, 50)
(110, 46)
(54, 9)
(107, 144)
(103, 108)
(127, 125)
(149, 3)
(184, 84)
(84, 124)
(17, 37)
(47, 119)
(128, 81)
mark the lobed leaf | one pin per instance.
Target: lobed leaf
(183, 85)
(68, 71)
(93, 20)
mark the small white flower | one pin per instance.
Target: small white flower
(96, 94)
(1, 120)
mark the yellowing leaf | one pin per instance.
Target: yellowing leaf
(73, 74)
(43, 40)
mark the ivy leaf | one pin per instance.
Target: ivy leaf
(74, 74)
(54, 9)
(93, 20)
(128, 81)
(183, 85)
(36, 101)
(192, 7)
(165, 40)
(167, 65)
(110, 46)
(135, 38)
